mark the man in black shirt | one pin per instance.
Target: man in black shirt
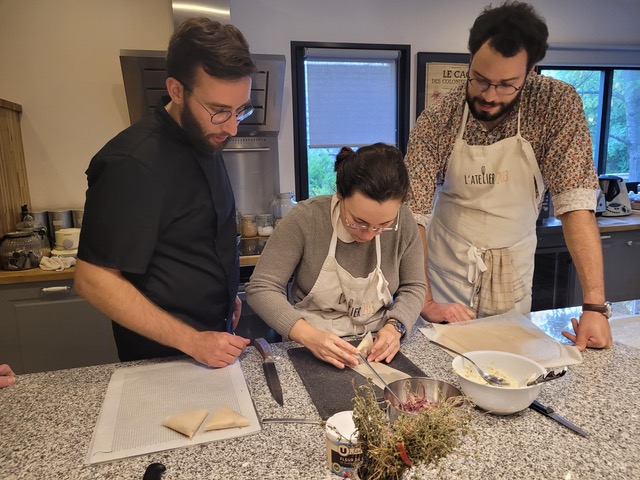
(158, 251)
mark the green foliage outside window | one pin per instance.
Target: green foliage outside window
(322, 176)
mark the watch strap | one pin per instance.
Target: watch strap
(603, 308)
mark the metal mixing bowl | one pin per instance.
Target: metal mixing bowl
(435, 391)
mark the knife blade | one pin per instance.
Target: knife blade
(550, 412)
(269, 367)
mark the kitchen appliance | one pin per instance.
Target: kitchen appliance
(58, 219)
(616, 198)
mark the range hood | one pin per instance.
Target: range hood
(214, 9)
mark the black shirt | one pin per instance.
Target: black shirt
(163, 213)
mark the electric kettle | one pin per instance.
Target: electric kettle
(616, 197)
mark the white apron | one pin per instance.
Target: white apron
(341, 303)
(482, 236)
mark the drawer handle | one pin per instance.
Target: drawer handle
(50, 291)
(605, 237)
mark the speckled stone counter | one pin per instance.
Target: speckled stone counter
(47, 420)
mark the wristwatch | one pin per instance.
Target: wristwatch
(398, 326)
(604, 308)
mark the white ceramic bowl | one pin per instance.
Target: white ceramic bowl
(500, 400)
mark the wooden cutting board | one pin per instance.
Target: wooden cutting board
(331, 389)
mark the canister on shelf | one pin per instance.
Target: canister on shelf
(265, 224)
(249, 227)
(281, 205)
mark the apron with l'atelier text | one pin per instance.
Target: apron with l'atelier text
(341, 303)
(486, 207)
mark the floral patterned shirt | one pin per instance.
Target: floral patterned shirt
(552, 120)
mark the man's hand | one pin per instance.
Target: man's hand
(446, 312)
(217, 349)
(591, 331)
(324, 345)
(7, 377)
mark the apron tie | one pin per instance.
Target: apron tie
(475, 263)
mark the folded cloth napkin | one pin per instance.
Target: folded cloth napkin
(57, 263)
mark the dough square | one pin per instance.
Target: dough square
(224, 417)
(186, 423)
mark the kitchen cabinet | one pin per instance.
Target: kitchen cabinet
(47, 326)
(555, 281)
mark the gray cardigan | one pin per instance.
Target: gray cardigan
(299, 246)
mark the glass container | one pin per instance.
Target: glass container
(281, 205)
(20, 250)
(249, 227)
(265, 224)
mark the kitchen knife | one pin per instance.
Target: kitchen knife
(550, 412)
(269, 367)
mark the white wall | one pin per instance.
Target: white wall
(59, 60)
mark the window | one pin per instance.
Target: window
(345, 95)
(611, 101)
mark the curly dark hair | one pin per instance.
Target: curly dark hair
(510, 28)
(377, 171)
(221, 50)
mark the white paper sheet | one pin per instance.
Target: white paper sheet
(509, 332)
(139, 398)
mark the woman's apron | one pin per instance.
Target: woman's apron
(481, 240)
(343, 304)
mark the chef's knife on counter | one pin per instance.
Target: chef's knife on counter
(269, 367)
(550, 412)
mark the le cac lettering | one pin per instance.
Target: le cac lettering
(460, 74)
(367, 307)
(484, 178)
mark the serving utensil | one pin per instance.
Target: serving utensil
(492, 379)
(545, 377)
(364, 360)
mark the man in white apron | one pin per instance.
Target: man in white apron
(526, 133)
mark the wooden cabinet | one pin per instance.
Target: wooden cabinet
(47, 326)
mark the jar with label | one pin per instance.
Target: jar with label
(281, 205)
(249, 227)
(265, 224)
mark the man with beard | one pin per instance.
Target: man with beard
(158, 252)
(480, 161)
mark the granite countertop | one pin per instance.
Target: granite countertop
(48, 419)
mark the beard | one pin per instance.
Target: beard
(482, 116)
(198, 137)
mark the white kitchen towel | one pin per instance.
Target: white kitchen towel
(509, 332)
(57, 263)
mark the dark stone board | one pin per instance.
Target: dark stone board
(331, 389)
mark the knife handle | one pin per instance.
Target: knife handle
(263, 347)
(538, 407)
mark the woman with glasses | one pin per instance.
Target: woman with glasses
(495, 144)
(355, 258)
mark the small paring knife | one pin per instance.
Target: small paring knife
(550, 412)
(269, 367)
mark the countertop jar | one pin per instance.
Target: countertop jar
(265, 224)
(249, 227)
(281, 205)
(20, 251)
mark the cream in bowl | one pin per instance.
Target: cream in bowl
(515, 369)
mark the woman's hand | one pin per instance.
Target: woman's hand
(446, 312)
(7, 377)
(386, 344)
(324, 345)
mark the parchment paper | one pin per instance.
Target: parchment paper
(139, 398)
(509, 332)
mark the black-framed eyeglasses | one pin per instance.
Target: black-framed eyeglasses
(364, 227)
(222, 116)
(501, 88)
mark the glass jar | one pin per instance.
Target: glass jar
(20, 251)
(281, 205)
(249, 227)
(265, 224)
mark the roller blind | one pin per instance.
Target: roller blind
(351, 97)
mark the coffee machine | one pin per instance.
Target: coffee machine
(614, 197)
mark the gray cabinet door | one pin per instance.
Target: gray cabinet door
(621, 255)
(53, 328)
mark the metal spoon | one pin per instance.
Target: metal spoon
(379, 377)
(545, 377)
(492, 379)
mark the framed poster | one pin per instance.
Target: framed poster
(437, 74)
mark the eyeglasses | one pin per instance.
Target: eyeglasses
(501, 88)
(363, 227)
(222, 116)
